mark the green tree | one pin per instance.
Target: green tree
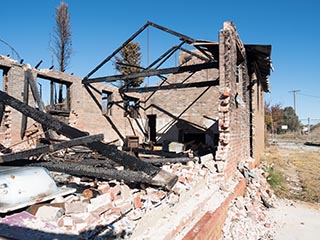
(129, 61)
(290, 119)
(273, 117)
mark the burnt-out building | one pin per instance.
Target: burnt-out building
(212, 101)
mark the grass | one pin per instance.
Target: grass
(308, 168)
(293, 173)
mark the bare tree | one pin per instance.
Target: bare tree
(62, 44)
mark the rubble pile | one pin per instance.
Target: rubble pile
(247, 216)
(102, 209)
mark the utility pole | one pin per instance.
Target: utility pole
(294, 99)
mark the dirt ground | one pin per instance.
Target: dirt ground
(293, 219)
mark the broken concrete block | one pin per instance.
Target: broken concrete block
(99, 201)
(100, 210)
(176, 147)
(50, 213)
(211, 165)
(76, 207)
(125, 192)
(206, 157)
(66, 221)
(178, 188)
(124, 207)
(71, 198)
(58, 199)
(114, 191)
(34, 208)
(220, 166)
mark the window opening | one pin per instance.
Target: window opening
(106, 103)
(55, 95)
(152, 127)
(131, 107)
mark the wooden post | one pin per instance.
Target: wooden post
(24, 119)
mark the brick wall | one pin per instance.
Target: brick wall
(185, 111)
(85, 108)
(234, 121)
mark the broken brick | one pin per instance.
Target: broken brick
(137, 203)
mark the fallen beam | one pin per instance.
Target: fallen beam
(160, 177)
(50, 148)
(105, 173)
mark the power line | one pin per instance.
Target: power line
(307, 95)
(11, 48)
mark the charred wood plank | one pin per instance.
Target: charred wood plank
(154, 72)
(152, 152)
(37, 98)
(24, 119)
(104, 173)
(174, 86)
(50, 148)
(1, 111)
(160, 177)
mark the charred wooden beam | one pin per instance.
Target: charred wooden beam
(196, 55)
(175, 86)
(37, 98)
(24, 119)
(78, 169)
(154, 72)
(50, 148)
(152, 152)
(1, 111)
(159, 177)
(189, 40)
(34, 90)
(116, 51)
(181, 36)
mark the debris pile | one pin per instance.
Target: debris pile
(102, 209)
(247, 218)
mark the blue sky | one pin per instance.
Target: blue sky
(99, 27)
